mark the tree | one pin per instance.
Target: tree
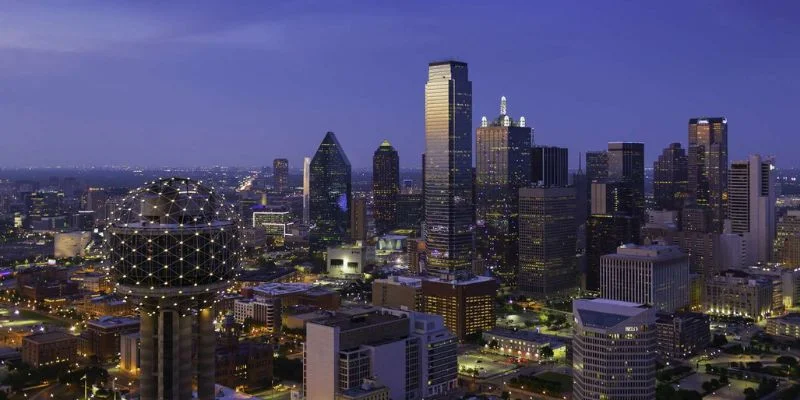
(545, 352)
(719, 341)
(505, 395)
(787, 360)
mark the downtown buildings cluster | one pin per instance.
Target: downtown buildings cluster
(451, 249)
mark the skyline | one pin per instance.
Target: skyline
(214, 80)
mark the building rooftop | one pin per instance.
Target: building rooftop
(349, 322)
(605, 313)
(524, 334)
(280, 289)
(49, 337)
(792, 318)
(112, 322)
(459, 282)
(401, 281)
(651, 252)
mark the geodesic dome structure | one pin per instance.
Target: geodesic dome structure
(172, 237)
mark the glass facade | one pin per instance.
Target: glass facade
(502, 168)
(708, 167)
(670, 178)
(448, 167)
(330, 195)
(280, 173)
(547, 241)
(626, 165)
(385, 187)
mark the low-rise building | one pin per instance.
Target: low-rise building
(49, 348)
(292, 294)
(104, 305)
(350, 261)
(467, 305)
(523, 344)
(71, 244)
(737, 293)
(245, 364)
(130, 352)
(398, 292)
(682, 335)
(266, 312)
(787, 325)
(102, 336)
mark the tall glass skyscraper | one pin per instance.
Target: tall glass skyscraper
(330, 197)
(448, 167)
(280, 172)
(670, 177)
(626, 165)
(708, 167)
(503, 149)
(385, 186)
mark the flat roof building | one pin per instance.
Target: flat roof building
(614, 350)
(654, 275)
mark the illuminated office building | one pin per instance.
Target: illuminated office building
(330, 194)
(670, 178)
(449, 210)
(708, 167)
(280, 173)
(385, 187)
(503, 167)
(751, 206)
(547, 241)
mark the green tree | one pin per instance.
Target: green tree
(545, 352)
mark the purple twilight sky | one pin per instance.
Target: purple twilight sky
(185, 83)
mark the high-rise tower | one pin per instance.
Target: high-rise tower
(708, 167)
(173, 245)
(306, 190)
(751, 205)
(385, 186)
(626, 165)
(330, 197)
(670, 178)
(280, 172)
(448, 167)
(503, 167)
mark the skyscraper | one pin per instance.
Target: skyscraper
(550, 166)
(670, 178)
(173, 246)
(787, 242)
(385, 187)
(614, 350)
(503, 167)
(448, 167)
(547, 239)
(280, 172)
(604, 233)
(626, 165)
(751, 205)
(708, 167)
(306, 190)
(596, 171)
(359, 222)
(330, 194)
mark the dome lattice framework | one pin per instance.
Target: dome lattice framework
(172, 237)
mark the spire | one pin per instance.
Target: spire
(503, 105)
(386, 143)
(484, 122)
(522, 122)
